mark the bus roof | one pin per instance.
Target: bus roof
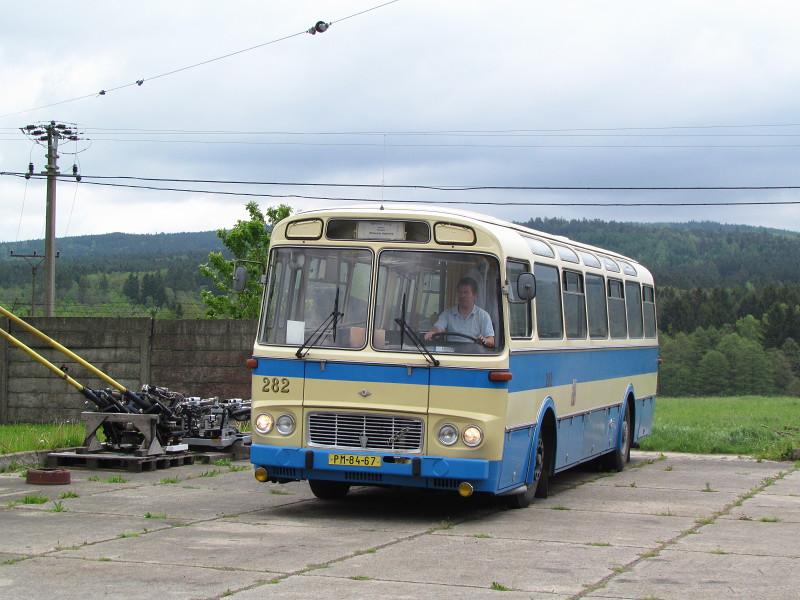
(420, 210)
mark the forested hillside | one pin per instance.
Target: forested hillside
(115, 274)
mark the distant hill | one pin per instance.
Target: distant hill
(696, 254)
(114, 245)
(682, 255)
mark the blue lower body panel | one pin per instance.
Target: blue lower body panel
(294, 464)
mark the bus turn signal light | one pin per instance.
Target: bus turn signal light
(261, 474)
(499, 375)
(251, 363)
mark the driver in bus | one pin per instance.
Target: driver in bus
(466, 318)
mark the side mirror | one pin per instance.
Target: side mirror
(239, 278)
(526, 287)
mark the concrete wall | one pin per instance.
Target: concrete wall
(198, 358)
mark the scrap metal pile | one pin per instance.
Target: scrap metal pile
(152, 421)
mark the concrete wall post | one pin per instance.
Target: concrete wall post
(4, 374)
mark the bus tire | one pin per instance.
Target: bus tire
(616, 460)
(540, 487)
(328, 490)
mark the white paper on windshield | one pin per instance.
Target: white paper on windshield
(295, 332)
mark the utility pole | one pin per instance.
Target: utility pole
(51, 133)
(37, 260)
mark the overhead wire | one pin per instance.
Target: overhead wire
(472, 202)
(445, 188)
(140, 81)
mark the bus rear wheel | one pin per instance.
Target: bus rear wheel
(540, 487)
(328, 490)
(616, 460)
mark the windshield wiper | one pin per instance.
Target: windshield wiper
(405, 328)
(314, 337)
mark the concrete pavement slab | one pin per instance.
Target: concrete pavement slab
(745, 537)
(768, 507)
(301, 587)
(677, 575)
(76, 579)
(274, 548)
(671, 474)
(788, 486)
(575, 526)
(377, 509)
(524, 565)
(636, 500)
(175, 501)
(35, 532)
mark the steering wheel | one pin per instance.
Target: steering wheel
(445, 334)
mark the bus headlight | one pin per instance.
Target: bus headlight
(264, 423)
(285, 424)
(448, 434)
(472, 436)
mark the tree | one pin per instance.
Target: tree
(247, 241)
(131, 288)
(713, 374)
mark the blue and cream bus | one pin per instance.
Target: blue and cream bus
(361, 378)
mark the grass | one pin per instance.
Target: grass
(499, 587)
(116, 479)
(67, 495)
(26, 437)
(58, 506)
(128, 534)
(149, 515)
(210, 473)
(35, 500)
(169, 480)
(760, 426)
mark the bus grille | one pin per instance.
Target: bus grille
(365, 432)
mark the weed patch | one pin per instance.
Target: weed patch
(35, 500)
(499, 587)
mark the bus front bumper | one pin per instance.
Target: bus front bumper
(285, 464)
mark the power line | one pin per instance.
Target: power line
(441, 188)
(470, 202)
(455, 146)
(320, 27)
(446, 131)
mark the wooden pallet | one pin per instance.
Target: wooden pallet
(116, 461)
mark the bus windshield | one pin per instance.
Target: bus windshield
(306, 285)
(449, 299)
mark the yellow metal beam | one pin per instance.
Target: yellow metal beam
(41, 360)
(64, 350)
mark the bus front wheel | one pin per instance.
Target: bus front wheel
(540, 486)
(328, 490)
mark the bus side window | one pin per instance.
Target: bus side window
(633, 300)
(596, 300)
(519, 312)
(548, 302)
(649, 305)
(616, 309)
(574, 305)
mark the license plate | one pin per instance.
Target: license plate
(354, 460)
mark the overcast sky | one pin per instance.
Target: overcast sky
(594, 71)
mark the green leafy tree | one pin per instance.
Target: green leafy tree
(713, 374)
(246, 241)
